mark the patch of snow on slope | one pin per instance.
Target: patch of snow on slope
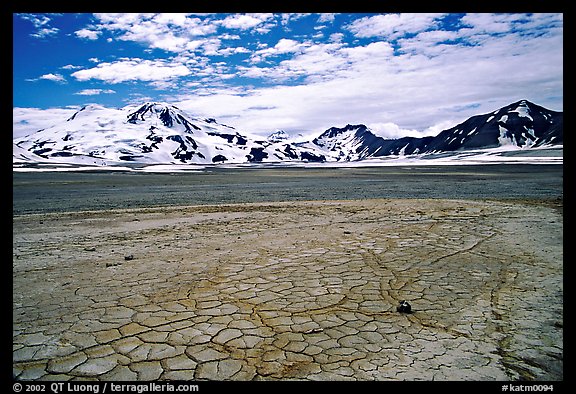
(522, 110)
(504, 139)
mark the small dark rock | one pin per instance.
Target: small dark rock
(559, 324)
(129, 257)
(404, 307)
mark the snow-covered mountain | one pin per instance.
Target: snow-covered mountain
(357, 142)
(150, 133)
(278, 136)
(521, 124)
(518, 125)
(161, 133)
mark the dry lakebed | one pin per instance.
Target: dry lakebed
(306, 289)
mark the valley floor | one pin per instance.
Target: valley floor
(291, 290)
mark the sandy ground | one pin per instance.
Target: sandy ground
(299, 290)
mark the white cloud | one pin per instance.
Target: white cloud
(53, 77)
(379, 50)
(133, 69)
(491, 23)
(326, 18)
(232, 50)
(94, 92)
(176, 19)
(46, 32)
(441, 126)
(245, 21)
(283, 46)
(211, 46)
(336, 37)
(481, 28)
(286, 45)
(177, 32)
(286, 18)
(87, 34)
(391, 130)
(392, 25)
(170, 32)
(321, 61)
(242, 22)
(40, 22)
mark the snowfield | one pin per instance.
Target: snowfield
(503, 155)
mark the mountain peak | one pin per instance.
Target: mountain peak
(158, 106)
(523, 106)
(151, 108)
(87, 109)
(335, 131)
(278, 136)
(168, 114)
(351, 142)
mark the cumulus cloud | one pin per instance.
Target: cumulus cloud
(176, 19)
(245, 21)
(283, 46)
(87, 34)
(174, 32)
(134, 69)
(171, 32)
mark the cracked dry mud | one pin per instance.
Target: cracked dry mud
(300, 290)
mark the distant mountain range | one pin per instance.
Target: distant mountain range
(521, 124)
(162, 133)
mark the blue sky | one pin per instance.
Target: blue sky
(400, 74)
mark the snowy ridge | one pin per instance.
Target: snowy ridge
(150, 133)
(520, 125)
(159, 133)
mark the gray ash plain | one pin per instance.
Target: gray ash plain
(45, 192)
